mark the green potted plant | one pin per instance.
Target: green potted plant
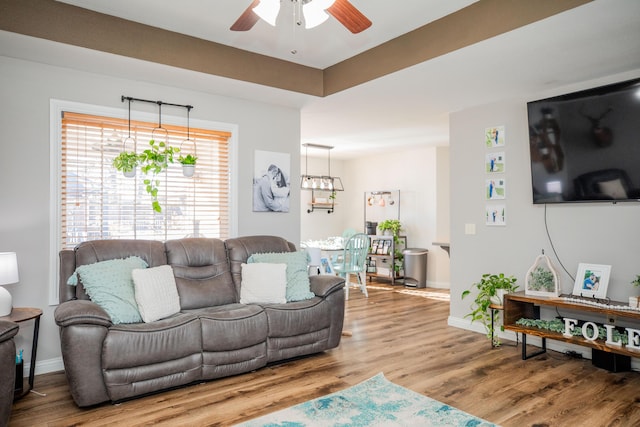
(188, 164)
(634, 301)
(154, 160)
(491, 288)
(127, 162)
(393, 226)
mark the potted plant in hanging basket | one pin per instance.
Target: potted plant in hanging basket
(188, 164)
(491, 288)
(127, 162)
(155, 160)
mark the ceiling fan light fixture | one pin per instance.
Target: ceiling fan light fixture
(268, 11)
(314, 12)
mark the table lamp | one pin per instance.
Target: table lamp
(8, 275)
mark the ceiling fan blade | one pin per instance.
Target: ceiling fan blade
(349, 16)
(248, 19)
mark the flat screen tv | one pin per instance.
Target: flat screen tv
(585, 146)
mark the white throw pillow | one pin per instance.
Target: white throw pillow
(263, 283)
(156, 292)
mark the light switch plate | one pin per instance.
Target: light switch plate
(469, 229)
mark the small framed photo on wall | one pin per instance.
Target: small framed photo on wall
(495, 189)
(495, 162)
(495, 215)
(494, 137)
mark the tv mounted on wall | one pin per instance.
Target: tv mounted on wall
(585, 146)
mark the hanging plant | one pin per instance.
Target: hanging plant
(188, 164)
(154, 161)
(127, 162)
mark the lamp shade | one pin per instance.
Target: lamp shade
(8, 275)
(8, 268)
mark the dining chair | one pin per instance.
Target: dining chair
(354, 261)
(348, 232)
(314, 257)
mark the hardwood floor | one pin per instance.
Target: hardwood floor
(401, 332)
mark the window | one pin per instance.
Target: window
(98, 202)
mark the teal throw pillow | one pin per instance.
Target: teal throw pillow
(110, 285)
(298, 286)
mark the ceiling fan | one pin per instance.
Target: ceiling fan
(314, 11)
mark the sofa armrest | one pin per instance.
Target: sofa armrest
(7, 330)
(81, 312)
(84, 326)
(325, 284)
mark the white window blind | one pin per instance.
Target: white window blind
(98, 202)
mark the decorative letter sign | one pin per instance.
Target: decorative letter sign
(594, 331)
(568, 326)
(634, 339)
(610, 341)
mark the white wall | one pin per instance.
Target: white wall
(415, 173)
(592, 233)
(26, 89)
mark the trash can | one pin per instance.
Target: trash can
(415, 267)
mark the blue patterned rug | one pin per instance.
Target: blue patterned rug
(375, 402)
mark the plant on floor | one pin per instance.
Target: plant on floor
(155, 160)
(489, 289)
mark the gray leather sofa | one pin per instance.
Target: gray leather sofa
(213, 336)
(7, 369)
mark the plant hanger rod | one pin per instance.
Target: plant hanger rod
(160, 103)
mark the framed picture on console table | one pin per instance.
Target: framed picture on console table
(592, 280)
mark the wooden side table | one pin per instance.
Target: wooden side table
(23, 314)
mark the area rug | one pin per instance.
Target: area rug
(375, 402)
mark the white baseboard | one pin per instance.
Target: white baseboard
(438, 285)
(558, 346)
(45, 366)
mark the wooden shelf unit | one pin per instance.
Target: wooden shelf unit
(518, 305)
(388, 259)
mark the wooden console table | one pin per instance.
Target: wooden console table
(518, 305)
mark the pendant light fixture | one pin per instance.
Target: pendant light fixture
(320, 182)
